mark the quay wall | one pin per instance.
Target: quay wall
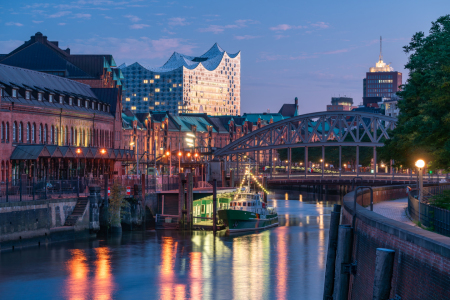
(33, 223)
(422, 258)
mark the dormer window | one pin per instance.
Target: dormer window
(61, 99)
(107, 108)
(14, 93)
(70, 101)
(87, 104)
(99, 106)
(79, 102)
(27, 95)
(93, 105)
(50, 98)
(40, 96)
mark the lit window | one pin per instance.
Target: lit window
(133, 108)
(157, 90)
(156, 103)
(157, 76)
(27, 95)
(152, 81)
(134, 95)
(50, 98)
(180, 84)
(174, 85)
(145, 81)
(14, 93)
(127, 99)
(151, 107)
(145, 99)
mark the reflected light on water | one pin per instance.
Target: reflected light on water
(77, 283)
(286, 196)
(103, 281)
(195, 275)
(166, 272)
(282, 270)
(301, 198)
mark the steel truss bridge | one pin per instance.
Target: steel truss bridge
(321, 129)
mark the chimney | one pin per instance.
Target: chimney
(67, 50)
(296, 102)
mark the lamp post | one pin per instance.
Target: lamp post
(137, 155)
(420, 164)
(168, 154)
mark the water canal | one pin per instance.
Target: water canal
(287, 262)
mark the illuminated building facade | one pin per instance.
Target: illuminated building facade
(207, 84)
(382, 80)
(340, 104)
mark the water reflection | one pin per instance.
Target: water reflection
(281, 263)
(77, 283)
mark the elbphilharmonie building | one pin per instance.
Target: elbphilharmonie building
(209, 84)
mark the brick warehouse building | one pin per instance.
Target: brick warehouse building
(55, 127)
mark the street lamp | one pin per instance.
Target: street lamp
(420, 164)
(179, 161)
(103, 152)
(137, 155)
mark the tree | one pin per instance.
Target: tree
(116, 203)
(423, 129)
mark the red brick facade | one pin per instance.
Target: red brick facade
(419, 273)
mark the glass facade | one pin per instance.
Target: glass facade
(208, 84)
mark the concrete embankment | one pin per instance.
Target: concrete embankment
(34, 223)
(422, 258)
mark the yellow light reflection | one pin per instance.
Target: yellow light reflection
(195, 275)
(282, 270)
(103, 281)
(77, 283)
(166, 272)
(286, 197)
(301, 198)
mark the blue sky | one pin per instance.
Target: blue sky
(312, 50)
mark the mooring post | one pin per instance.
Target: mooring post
(190, 200)
(331, 253)
(214, 206)
(181, 201)
(343, 263)
(231, 178)
(383, 274)
(224, 180)
(264, 184)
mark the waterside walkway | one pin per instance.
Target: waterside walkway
(395, 210)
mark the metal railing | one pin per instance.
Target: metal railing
(435, 218)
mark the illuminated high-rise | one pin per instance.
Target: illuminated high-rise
(209, 84)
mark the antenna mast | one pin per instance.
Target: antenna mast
(381, 53)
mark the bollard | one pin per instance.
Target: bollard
(7, 193)
(181, 200)
(214, 206)
(20, 188)
(78, 187)
(32, 187)
(331, 253)
(190, 199)
(383, 274)
(343, 263)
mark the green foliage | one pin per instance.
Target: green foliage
(423, 129)
(441, 200)
(116, 203)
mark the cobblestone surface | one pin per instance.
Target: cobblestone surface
(395, 209)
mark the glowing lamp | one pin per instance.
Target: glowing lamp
(78, 151)
(189, 154)
(179, 153)
(420, 164)
(196, 154)
(103, 151)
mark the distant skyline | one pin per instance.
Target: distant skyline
(290, 49)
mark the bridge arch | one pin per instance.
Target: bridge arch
(315, 129)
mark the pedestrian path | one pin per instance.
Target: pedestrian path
(395, 210)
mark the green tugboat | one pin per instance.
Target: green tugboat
(247, 211)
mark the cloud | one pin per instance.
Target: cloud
(178, 22)
(14, 24)
(221, 28)
(132, 49)
(59, 14)
(337, 51)
(37, 22)
(133, 19)
(139, 26)
(61, 24)
(267, 56)
(284, 27)
(245, 37)
(83, 16)
(322, 25)
(280, 36)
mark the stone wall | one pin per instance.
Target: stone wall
(36, 222)
(422, 258)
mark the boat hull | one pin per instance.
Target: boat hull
(238, 220)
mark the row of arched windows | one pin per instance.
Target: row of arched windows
(45, 134)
